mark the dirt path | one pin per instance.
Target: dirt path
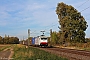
(6, 54)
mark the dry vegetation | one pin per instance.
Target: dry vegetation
(30, 53)
(2, 47)
(79, 46)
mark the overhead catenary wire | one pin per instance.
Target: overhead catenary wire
(47, 27)
(33, 31)
(57, 23)
(83, 4)
(85, 9)
(78, 7)
(51, 26)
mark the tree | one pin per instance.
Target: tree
(6, 39)
(9, 40)
(54, 38)
(16, 40)
(13, 40)
(87, 39)
(1, 40)
(72, 23)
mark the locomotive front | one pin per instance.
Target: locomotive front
(43, 41)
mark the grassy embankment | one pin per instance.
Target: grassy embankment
(79, 46)
(22, 53)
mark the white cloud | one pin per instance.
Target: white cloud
(36, 15)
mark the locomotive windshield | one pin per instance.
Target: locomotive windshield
(43, 38)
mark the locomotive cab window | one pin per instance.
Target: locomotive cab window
(43, 38)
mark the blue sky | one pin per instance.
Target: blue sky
(17, 16)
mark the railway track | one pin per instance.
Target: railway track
(71, 54)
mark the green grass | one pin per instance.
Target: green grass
(4, 47)
(87, 49)
(21, 53)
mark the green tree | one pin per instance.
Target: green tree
(1, 40)
(16, 40)
(60, 38)
(9, 40)
(6, 39)
(54, 38)
(72, 23)
(13, 40)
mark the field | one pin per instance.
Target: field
(34, 53)
(23, 53)
(2, 47)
